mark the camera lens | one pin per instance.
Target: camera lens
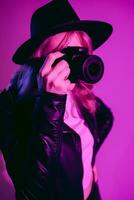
(93, 69)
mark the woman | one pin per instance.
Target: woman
(51, 127)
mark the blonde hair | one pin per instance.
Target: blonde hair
(82, 92)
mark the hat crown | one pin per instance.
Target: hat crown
(52, 15)
(55, 17)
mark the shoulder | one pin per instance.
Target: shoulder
(7, 109)
(6, 117)
(103, 111)
(104, 118)
(6, 101)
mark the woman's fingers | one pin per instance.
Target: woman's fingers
(63, 85)
(55, 78)
(46, 68)
(62, 70)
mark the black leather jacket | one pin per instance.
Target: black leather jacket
(43, 155)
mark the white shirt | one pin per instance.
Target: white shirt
(76, 122)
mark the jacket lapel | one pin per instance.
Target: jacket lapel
(100, 123)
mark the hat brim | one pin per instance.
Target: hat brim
(98, 31)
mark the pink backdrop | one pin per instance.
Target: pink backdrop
(115, 161)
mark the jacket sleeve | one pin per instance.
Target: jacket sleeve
(48, 119)
(47, 127)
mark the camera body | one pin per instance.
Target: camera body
(89, 68)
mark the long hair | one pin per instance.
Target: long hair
(82, 91)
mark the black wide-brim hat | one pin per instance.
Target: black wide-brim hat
(55, 17)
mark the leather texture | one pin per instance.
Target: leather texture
(43, 155)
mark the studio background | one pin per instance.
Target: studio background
(115, 160)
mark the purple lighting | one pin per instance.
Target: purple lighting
(115, 160)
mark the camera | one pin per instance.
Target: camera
(89, 68)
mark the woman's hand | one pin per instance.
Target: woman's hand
(55, 78)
